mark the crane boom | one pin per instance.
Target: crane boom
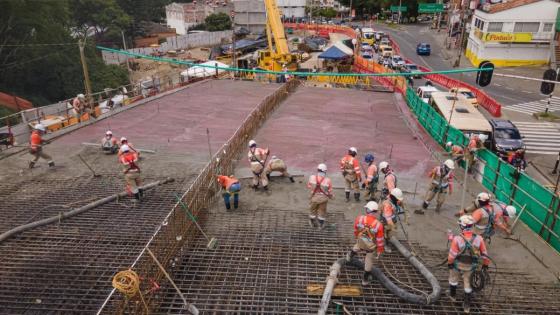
(276, 28)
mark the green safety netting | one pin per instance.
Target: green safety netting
(540, 205)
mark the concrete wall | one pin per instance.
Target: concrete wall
(175, 18)
(250, 14)
(292, 8)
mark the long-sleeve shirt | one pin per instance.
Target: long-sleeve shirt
(442, 179)
(367, 226)
(458, 245)
(350, 165)
(320, 185)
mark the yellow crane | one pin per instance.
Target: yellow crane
(277, 56)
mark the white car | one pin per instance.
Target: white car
(397, 62)
(366, 47)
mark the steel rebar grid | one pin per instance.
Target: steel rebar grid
(68, 267)
(267, 257)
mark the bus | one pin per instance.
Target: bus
(368, 35)
(465, 116)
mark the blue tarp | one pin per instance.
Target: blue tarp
(333, 53)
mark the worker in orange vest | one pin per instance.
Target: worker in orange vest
(130, 147)
(390, 210)
(372, 178)
(257, 157)
(321, 191)
(476, 142)
(369, 233)
(109, 143)
(466, 252)
(484, 220)
(455, 151)
(389, 181)
(441, 178)
(231, 186)
(131, 171)
(351, 172)
(277, 165)
(36, 146)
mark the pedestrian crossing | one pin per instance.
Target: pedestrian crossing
(536, 106)
(540, 137)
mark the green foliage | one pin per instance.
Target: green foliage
(217, 22)
(145, 10)
(99, 15)
(363, 7)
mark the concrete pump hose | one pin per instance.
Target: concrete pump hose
(71, 213)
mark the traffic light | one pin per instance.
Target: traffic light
(546, 87)
(483, 78)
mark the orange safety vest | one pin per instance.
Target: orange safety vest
(227, 181)
(368, 226)
(350, 164)
(35, 140)
(129, 159)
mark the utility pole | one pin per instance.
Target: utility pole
(81, 44)
(400, 13)
(233, 59)
(127, 60)
(462, 25)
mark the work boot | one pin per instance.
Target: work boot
(255, 187)
(51, 163)
(350, 255)
(357, 196)
(425, 205)
(136, 197)
(312, 223)
(366, 278)
(141, 191)
(31, 164)
(292, 179)
(268, 176)
(321, 224)
(347, 196)
(453, 292)
(467, 303)
(265, 188)
(419, 211)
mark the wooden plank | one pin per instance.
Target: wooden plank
(340, 290)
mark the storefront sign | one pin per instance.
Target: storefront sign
(508, 37)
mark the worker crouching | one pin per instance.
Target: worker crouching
(131, 171)
(109, 144)
(321, 191)
(441, 184)
(369, 233)
(257, 158)
(231, 186)
(277, 165)
(466, 252)
(350, 167)
(36, 146)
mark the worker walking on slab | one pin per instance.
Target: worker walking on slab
(109, 143)
(277, 165)
(441, 182)
(372, 178)
(131, 171)
(124, 141)
(389, 180)
(466, 253)
(36, 146)
(257, 158)
(351, 172)
(321, 191)
(369, 233)
(455, 151)
(391, 208)
(231, 186)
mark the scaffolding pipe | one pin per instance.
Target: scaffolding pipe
(424, 299)
(71, 213)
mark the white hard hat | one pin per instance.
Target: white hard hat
(252, 143)
(123, 139)
(371, 206)
(466, 221)
(108, 133)
(274, 157)
(397, 193)
(125, 148)
(483, 137)
(483, 196)
(450, 164)
(511, 211)
(383, 165)
(353, 149)
(322, 167)
(81, 96)
(448, 144)
(40, 127)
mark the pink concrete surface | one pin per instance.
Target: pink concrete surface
(177, 123)
(318, 125)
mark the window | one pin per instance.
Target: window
(547, 27)
(495, 26)
(526, 27)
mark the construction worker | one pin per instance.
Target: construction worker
(124, 141)
(390, 210)
(484, 218)
(131, 171)
(372, 178)
(350, 167)
(389, 181)
(369, 233)
(36, 146)
(455, 151)
(321, 191)
(109, 144)
(277, 165)
(441, 181)
(504, 213)
(475, 143)
(517, 160)
(78, 105)
(466, 252)
(231, 186)
(257, 158)
(481, 199)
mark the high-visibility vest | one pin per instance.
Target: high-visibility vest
(129, 160)
(35, 140)
(227, 181)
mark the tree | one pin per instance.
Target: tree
(145, 10)
(217, 22)
(98, 15)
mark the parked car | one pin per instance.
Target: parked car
(413, 68)
(397, 62)
(471, 97)
(505, 137)
(423, 49)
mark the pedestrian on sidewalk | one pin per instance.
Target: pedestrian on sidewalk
(441, 178)
(277, 165)
(231, 187)
(351, 172)
(257, 158)
(36, 146)
(321, 191)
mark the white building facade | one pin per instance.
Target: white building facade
(292, 8)
(513, 33)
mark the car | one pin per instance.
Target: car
(505, 137)
(413, 68)
(425, 92)
(367, 55)
(379, 35)
(397, 62)
(423, 49)
(385, 51)
(471, 97)
(366, 47)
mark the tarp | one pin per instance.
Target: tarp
(336, 52)
(201, 72)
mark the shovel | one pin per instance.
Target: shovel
(212, 242)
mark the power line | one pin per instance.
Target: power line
(33, 45)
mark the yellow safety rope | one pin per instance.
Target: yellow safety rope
(127, 282)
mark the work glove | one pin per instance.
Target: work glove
(450, 266)
(363, 185)
(485, 267)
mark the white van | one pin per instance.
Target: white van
(425, 92)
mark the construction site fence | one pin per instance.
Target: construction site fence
(539, 206)
(178, 228)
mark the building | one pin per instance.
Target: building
(513, 33)
(181, 16)
(250, 14)
(292, 8)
